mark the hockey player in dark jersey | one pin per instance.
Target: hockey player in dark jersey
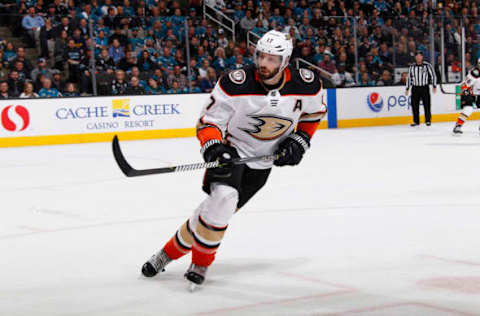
(264, 109)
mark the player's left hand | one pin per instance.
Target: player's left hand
(434, 90)
(291, 150)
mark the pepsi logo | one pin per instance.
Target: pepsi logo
(375, 101)
(15, 118)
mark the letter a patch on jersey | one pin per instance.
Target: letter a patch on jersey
(268, 127)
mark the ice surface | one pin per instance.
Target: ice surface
(375, 221)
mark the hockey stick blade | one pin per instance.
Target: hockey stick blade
(129, 171)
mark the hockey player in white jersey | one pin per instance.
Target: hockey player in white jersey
(257, 110)
(470, 95)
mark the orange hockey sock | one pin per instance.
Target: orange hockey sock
(207, 239)
(181, 243)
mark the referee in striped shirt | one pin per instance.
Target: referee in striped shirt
(420, 75)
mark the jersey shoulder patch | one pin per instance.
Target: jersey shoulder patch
(303, 82)
(307, 75)
(238, 76)
(475, 73)
(241, 82)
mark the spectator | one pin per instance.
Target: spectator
(100, 41)
(220, 63)
(57, 81)
(365, 80)
(342, 78)
(22, 73)
(63, 26)
(3, 72)
(104, 63)
(46, 39)
(4, 90)
(166, 62)
(175, 89)
(403, 79)
(222, 41)
(306, 54)
(116, 51)
(208, 83)
(9, 54)
(70, 90)
(28, 91)
(402, 57)
(136, 43)
(32, 24)
(385, 55)
(61, 45)
(135, 72)
(385, 79)
(373, 64)
(118, 35)
(152, 87)
(109, 18)
(146, 62)
(119, 85)
(177, 76)
(41, 68)
(27, 65)
(73, 56)
(48, 91)
(135, 88)
(237, 64)
(195, 88)
(326, 64)
(202, 71)
(247, 23)
(15, 85)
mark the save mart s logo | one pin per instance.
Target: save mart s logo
(15, 118)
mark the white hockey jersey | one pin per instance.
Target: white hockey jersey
(472, 81)
(253, 119)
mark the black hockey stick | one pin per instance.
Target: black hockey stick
(446, 92)
(129, 171)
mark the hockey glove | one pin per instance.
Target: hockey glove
(291, 150)
(215, 150)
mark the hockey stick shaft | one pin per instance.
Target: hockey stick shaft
(454, 93)
(446, 92)
(129, 171)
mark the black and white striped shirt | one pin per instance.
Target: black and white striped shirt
(421, 75)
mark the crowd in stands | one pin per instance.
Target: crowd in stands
(140, 46)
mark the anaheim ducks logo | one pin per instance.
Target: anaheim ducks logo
(268, 127)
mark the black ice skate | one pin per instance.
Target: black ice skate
(155, 264)
(457, 129)
(195, 275)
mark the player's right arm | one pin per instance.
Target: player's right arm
(215, 115)
(212, 126)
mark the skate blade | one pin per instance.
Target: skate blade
(193, 287)
(457, 134)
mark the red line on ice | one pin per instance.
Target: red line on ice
(273, 302)
(394, 305)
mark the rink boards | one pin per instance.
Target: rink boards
(26, 122)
